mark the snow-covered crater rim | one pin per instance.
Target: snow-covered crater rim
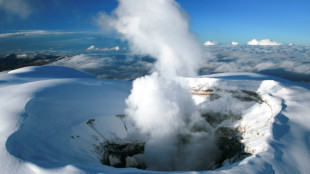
(257, 119)
(237, 110)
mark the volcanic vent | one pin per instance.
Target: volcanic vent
(211, 140)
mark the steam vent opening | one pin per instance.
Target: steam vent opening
(214, 140)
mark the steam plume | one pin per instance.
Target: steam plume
(159, 28)
(160, 105)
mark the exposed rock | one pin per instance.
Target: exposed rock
(228, 141)
(122, 155)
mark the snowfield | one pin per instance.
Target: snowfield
(52, 117)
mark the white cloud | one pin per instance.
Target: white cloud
(21, 56)
(92, 47)
(234, 43)
(16, 7)
(115, 48)
(81, 62)
(207, 43)
(263, 42)
(26, 33)
(33, 32)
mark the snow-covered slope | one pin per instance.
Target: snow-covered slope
(44, 111)
(39, 108)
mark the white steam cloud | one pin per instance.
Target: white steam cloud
(158, 28)
(160, 105)
(163, 109)
(263, 42)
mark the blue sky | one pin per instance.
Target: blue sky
(241, 20)
(224, 21)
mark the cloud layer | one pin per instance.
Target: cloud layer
(290, 62)
(121, 67)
